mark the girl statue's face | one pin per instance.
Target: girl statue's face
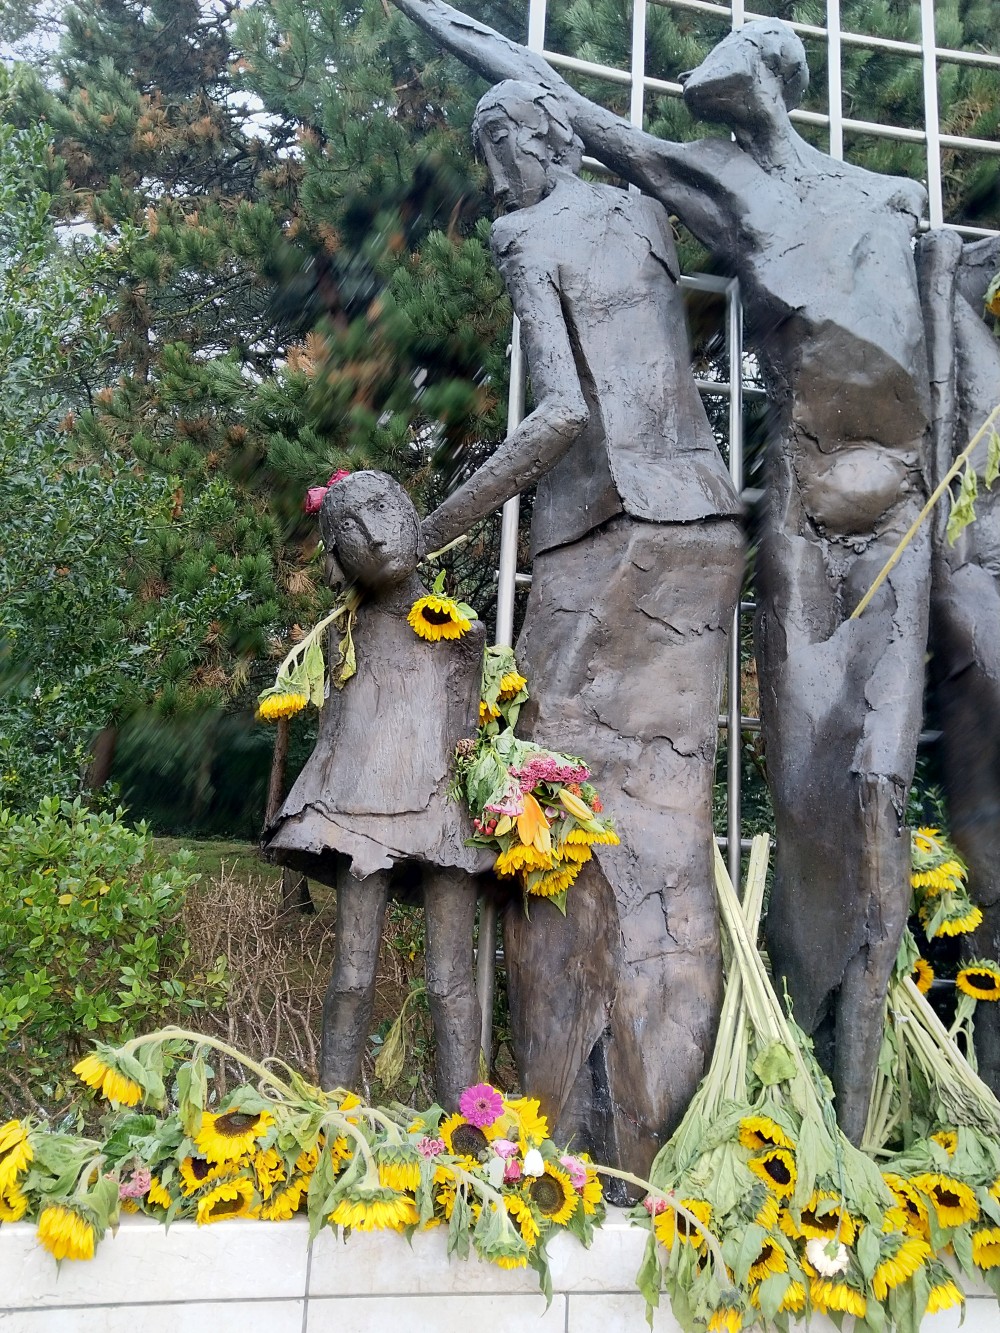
(377, 531)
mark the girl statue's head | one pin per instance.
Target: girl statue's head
(371, 531)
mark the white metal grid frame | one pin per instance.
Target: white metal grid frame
(640, 83)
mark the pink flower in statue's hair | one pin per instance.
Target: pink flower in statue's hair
(654, 1206)
(136, 1186)
(576, 1171)
(431, 1147)
(314, 495)
(480, 1104)
(512, 1171)
(504, 1147)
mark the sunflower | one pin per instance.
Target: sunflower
(793, 1301)
(269, 1170)
(285, 1203)
(65, 1233)
(981, 980)
(911, 1254)
(117, 1087)
(592, 1192)
(511, 685)
(831, 1224)
(158, 1194)
(231, 1135)
(826, 1295)
(758, 1131)
(503, 1260)
(198, 1171)
(766, 1215)
(308, 1160)
(922, 975)
(531, 1127)
(275, 706)
(726, 1319)
(946, 1139)
(943, 1295)
(520, 1211)
(13, 1204)
(986, 1247)
(605, 837)
(944, 878)
(434, 618)
(465, 1140)
(522, 856)
(964, 920)
(770, 1259)
(576, 853)
(398, 1167)
(911, 1203)
(551, 882)
(553, 1195)
(776, 1168)
(954, 1202)
(669, 1225)
(230, 1198)
(487, 712)
(927, 840)
(375, 1210)
(15, 1152)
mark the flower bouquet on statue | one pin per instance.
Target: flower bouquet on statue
(536, 807)
(489, 1173)
(792, 1218)
(301, 677)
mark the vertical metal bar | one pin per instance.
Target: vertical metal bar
(734, 338)
(738, 16)
(833, 75)
(638, 100)
(536, 25)
(932, 127)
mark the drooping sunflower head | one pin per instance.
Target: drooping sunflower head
(524, 857)
(726, 1319)
(550, 883)
(520, 1211)
(944, 1293)
(229, 1198)
(231, 1135)
(398, 1166)
(100, 1071)
(986, 1247)
(66, 1232)
(197, 1172)
(284, 1203)
(904, 1257)
(946, 1139)
(954, 1202)
(833, 1294)
(770, 1259)
(980, 979)
(911, 1201)
(669, 1225)
(511, 685)
(776, 1168)
(273, 706)
(13, 1203)
(758, 1132)
(434, 618)
(824, 1217)
(16, 1152)
(375, 1210)
(922, 975)
(553, 1195)
(959, 916)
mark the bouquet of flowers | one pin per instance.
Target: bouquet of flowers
(537, 808)
(489, 1173)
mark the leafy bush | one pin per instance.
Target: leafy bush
(91, 941)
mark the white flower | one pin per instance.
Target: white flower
(534, 1164)
(818, 1254)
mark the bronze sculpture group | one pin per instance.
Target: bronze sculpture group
(638, 560)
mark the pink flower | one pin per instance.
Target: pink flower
(654, 1206)
(512, 1171)
(480, 1104)
(339, 475)
(431, 1147)
(504, 1147)
(576, 1171)
(314, 495)
(510, 803)
(136, 1186)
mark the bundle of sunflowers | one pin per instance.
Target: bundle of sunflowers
(791, 1218)
(489, 1173)
(536, 808)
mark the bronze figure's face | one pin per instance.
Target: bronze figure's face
(371, 529)
(522, 134)
(736, 77)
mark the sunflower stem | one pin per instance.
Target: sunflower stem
(341, 1123)
(199, 1039)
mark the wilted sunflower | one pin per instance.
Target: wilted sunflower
(114, 1085)
(196, 1172)
(954, 1202)
(922, 975)
(776, 1168)
(276, 706)
(520, 1211)
(833, 1223)
(986, 1247)
(670, 1224)
(827, 1294)
(770, 1259)
(375, 1210)
(550, 882)
(943, 1294)
(232, 1134)
(158, 1194)
(910, 1254)
(285, 1203)
(435, 618)
(553, 1195)
(398, 1166)
(759, 1131)
(910, 1202)
(577, 853)
(726, 1319)
(269, 1170)
(15, 1152)
(65, 1233)
(766, 1215)
(230, 1198)
(511, 685)
(522, 856)
(793, 1301)
(981, 980)
(13, 1204)
(946, 1139)
(962, 918)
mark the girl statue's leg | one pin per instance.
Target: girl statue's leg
(347, 1010)
(450, 907)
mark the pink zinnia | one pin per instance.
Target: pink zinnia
(431, 1147)
(480, 1104)
(576, 1171)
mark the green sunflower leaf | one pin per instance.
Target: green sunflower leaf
(868, 1250)
(775, 1064)
(992, 460)
(962, 506)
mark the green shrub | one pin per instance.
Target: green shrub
(91, 941)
